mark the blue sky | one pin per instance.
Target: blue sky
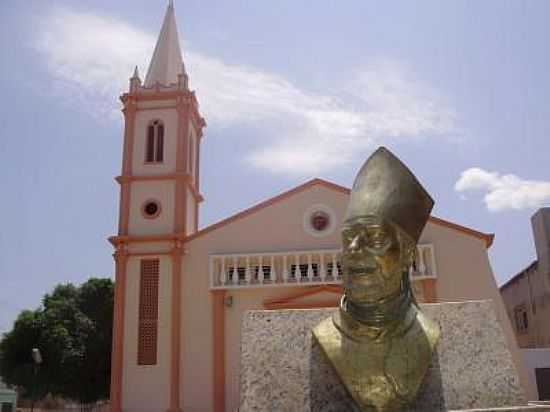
(290, 91)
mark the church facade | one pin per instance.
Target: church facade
(181, 291)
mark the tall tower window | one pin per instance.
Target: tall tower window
(155, 142)
(191, 151)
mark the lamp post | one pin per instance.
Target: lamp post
(37, 360)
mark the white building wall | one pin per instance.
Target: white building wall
(146, 387)
(196, 325)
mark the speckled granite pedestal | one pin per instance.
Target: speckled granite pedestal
(283, 369)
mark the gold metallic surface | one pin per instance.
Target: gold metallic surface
(379, 342)
(386, 188)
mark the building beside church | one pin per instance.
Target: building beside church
(527, 294)
(527, 299)
(8, 398)
(181, 291)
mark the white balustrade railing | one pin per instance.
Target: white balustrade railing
(306, 267)
(270, 269)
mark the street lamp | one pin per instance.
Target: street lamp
(36, 356)
(37, 359)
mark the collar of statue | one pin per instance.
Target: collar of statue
(382, 318)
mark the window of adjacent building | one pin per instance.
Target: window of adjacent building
(155, 142)
(148, 312)
(542, 376)
(521, 319)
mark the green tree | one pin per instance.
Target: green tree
(72, 329)
(16, 365)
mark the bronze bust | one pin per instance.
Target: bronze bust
(379, 343)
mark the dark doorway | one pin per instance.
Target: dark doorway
(543, 383)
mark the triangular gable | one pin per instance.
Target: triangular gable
(266, 203)
(312, 297)
(486, 237)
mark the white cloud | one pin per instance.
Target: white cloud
(504, 191)
(91, 57)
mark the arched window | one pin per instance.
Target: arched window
(155, 142)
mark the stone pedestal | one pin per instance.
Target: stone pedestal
(283, 369)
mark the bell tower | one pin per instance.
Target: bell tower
(159, 206)
(163, 131)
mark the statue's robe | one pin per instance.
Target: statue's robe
(382, 368)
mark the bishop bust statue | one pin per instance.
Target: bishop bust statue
(379, 343)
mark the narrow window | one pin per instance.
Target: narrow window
(154, 151)
(148, 312)
(191, 155)
(150, 152)
(160, 143)
(521, 318)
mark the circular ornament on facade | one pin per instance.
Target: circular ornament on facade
(150, 209)
(319, 220)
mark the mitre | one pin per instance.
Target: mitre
(385, 187)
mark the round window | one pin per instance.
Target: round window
(320, 221)
(151, 209)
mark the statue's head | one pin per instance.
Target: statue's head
(387, 212)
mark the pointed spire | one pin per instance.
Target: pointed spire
(167, 61)
(135, 81)
(183, 79)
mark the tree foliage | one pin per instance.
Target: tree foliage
(72, 329)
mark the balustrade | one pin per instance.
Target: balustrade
(272, 269)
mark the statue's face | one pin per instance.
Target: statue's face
(374, 256)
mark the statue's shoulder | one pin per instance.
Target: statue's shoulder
(428, 328)
(411, 354)
(328, 336)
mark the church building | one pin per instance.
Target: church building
(181, 290)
